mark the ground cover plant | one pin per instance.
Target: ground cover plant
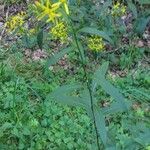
(74, 75)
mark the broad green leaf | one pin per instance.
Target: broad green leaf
(100, 123)
(56, 57)
(40, 39)
(95, 31)
(99, 79)
(63, 95)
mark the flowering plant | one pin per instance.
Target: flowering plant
(57, 15)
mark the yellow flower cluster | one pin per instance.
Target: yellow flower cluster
(50, 10)
(59, 31)
(95, 43)
(15, 22)
(118, 9)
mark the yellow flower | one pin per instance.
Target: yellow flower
(15, 22)
(32, 31)
(65, 6)
(117, 5)
(95, 43)
(118, 9)
(48, 10)
(59, 31)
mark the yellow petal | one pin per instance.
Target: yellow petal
(56, 4)
(48, 3)
(66, 9)
(39, 5)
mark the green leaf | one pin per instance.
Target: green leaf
(25, 40)
(143, 139)
(82, 50)
(40, 39)
(132, 7)
(56, 57)
(114, 108)
(145, 2)
(141, 24)
(100, 73)
(96, 32)
(111, 148)
(100, 123)
(4, 127)
(86, 96)
(99, 79)
(63, 95)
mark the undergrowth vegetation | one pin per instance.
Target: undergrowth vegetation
(75, 75)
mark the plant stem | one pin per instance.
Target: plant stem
(88, 85)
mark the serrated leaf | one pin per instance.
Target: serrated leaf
(56, 57)
(100, 123)
(40, 39)
(96, 32)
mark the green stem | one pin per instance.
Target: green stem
(88, 85)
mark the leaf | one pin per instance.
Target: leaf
(82, 55)
(96, 32)
(99, 79)
(86, 95)
(141, 24)
(4, 127)
(61, 94)
(100, 73)
(111, 148)
(145, 2)
(114, 108)
(56, 57)
(87, 102)
(143, 139)
(132, 7)
(25, 40)
(40, 39)
(100, 123)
